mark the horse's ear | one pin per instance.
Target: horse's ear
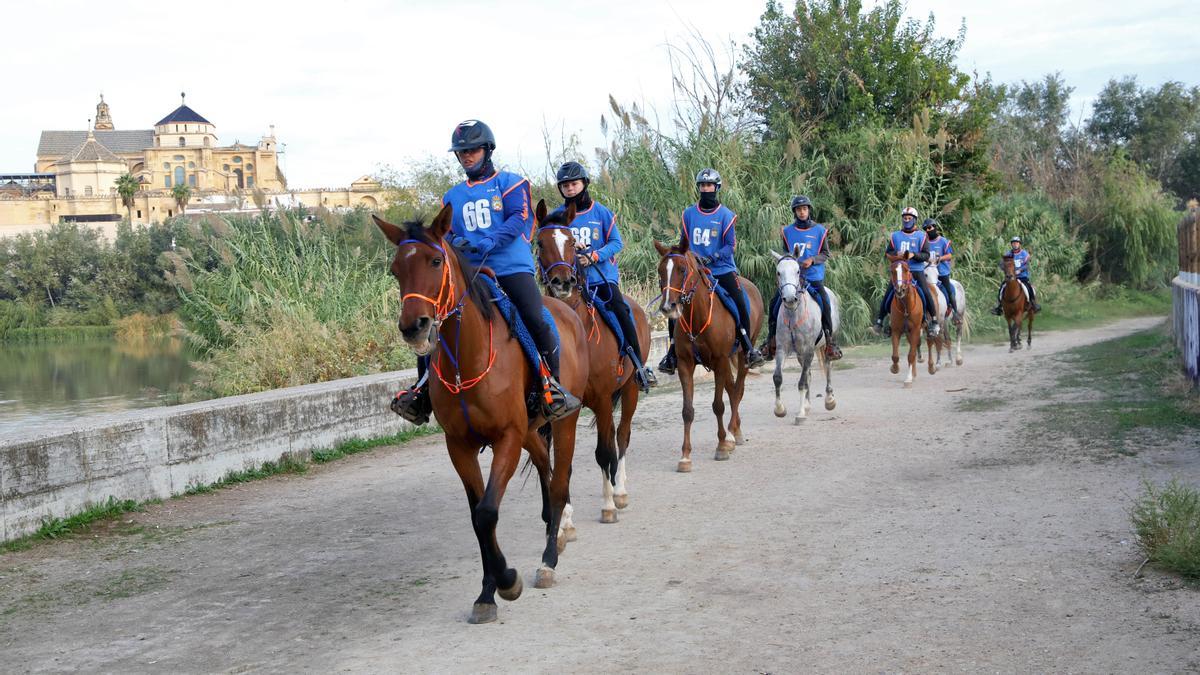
(778, 256)
(393, 233)
(441, 222)
(684, 245)
(796, 251)
(539, 213)
(571, 211)
(662, 248)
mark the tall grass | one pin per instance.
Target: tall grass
(1166, 520)
(282, 299)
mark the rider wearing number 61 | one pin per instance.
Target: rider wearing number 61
(492, 225)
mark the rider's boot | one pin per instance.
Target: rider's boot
(641, 372)
(413, 404)
(669, 363)
(831, 349)
(996, 310)
(768, 347)
(556, 402)
(754, 358)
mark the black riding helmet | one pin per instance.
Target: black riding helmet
(471, 134)
(570, 171)
(801, 201)
(708, 176)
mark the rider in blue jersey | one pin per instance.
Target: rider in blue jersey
(707, 228)
(492, 224)
(597, 243)
(907, 243)
(1020, 258)
(941, 252)
(812, 239)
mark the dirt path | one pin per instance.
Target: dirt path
(963, 544)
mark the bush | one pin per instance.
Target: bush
(1166, 521)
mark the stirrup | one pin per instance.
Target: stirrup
(996, 311)
(832, 351)
(645, 379)
(768, 347)
(557, 402)
(413, 404)
(754, 358)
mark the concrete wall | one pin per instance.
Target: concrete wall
(159, 452)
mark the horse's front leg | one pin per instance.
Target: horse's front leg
(914, 342)
(686, 370)
(931, 344)
(1029, 332)
(958, 336)
(721, 379)
(629, 402)
(805, 357)
(606, 456)
(464, 457)
(560, 500)
(736, 390)
(895, 348)
(777, 378)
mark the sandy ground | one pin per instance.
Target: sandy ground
(963, 543)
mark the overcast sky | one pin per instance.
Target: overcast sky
(352, 86)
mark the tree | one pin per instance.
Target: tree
(829, 64)
(127, 187)
(182, 193)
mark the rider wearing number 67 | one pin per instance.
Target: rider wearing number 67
(492, 225)
(707, 228)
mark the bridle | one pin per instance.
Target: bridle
(686, 295)
(545, 270)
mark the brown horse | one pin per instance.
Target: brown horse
(704, 334)
(907, 317)
(479, 381)
(1016, 307)
(610, 378)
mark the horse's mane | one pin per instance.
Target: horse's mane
(556, 217)
(477, 289)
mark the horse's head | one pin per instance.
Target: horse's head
(678, 276)
(787, 277)
(1009, 266)
(424, 267)
(901, 277)
(931, 275)
(556, 250)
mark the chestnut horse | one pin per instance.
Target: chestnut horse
(705, 334)
(1016, 307)
(610, 378)
(907, 316)
(479, 380)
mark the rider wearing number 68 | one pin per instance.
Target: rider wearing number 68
(492, 225)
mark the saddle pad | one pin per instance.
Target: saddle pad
(609, 318)
(508, 310)
(728, 301)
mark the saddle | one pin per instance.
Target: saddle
(727, 301)
(591, 297)
(515, 325)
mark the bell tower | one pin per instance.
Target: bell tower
(103, 119)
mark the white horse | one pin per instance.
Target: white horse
(799, 332)
(958, 317)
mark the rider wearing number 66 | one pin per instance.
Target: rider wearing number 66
(492, 225)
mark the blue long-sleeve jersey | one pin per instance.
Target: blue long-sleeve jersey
(710, 234)
(596, 229)
(495, 208)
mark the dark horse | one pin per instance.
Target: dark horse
(610, 377)
(479, 380)
(908, 318)
(1016, 307)
(689, 297)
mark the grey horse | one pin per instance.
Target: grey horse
(799, 333)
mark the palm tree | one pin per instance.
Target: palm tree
(127, 187)
(182, 193)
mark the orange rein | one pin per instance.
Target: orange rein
(445, 306)
(685, 297)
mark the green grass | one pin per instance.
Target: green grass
(58, 333)
(1123, 387)
(982, 404)
(57, 528)
(1072, 308)
(1166, 521)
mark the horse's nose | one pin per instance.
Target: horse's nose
(418, 327)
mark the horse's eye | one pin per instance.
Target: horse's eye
(436, 262)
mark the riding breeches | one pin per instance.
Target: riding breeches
(945, 281)
(612, 298)
(729, 282)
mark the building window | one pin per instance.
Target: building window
(166, 166)
(182, 141)
(176, 128)
(139, 214)
(206, 139)
(157, 141)
(237, 160)
(249, 181)
(67, 192)
(240, 182)
(179, 175)
(87, 191)
(191, 165)
(179, 158)
(166, 181)
(192, 179)
(249, 166)
(225, 167)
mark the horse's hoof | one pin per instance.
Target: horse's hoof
(511, 593)
(798, 420)
(739, 438)
(721, 455)
(920, 358)
(608, 516)
(895, 369)
(621, 501)
(830, 403)
(569, 534)
(958, 361)
(908, 385)
(483, 613)
(684, 466)
(544, 578)
(780, 410)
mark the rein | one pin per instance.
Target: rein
(686, 296)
